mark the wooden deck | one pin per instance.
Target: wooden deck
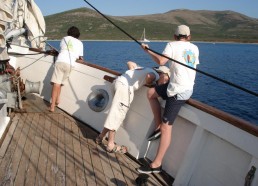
(43, 148)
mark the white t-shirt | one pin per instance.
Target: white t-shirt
(182, 78)
(70, 50)
(135, 78)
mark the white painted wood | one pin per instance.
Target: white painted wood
(4, 119)
(191, 157)
(220, 128)
(220, 162)
(254, 163)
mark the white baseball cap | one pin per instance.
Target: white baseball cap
(162, 69)
(182, 30)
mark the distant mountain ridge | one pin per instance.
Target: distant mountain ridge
(205, 25)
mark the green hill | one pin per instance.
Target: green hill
(215, 26)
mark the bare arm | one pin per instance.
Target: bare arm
(131, 65)
(157, 58)
(80, 59)
(150, 78)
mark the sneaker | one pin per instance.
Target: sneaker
(155, 135)
(148, 170)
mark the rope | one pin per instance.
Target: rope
(113, 23)
(197, 70)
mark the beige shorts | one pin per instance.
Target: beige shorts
(61, 73)
(120, 106)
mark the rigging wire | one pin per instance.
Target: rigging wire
(197, 70)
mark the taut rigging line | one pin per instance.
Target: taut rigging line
(197, 70)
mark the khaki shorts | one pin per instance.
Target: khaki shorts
(61, 73)
(120, 105)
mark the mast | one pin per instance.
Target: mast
(143, 39)
(144, 34)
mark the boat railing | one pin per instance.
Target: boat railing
(231, 119)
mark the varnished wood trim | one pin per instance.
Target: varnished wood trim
(233, 120)
(78, 61)
(98, 67)
(48, 52)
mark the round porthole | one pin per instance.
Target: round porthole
(98, 100)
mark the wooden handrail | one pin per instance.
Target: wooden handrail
(233, 120)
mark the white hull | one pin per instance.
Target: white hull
(205, 150)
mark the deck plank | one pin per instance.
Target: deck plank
(44, 148)
(79, 169)
(33, 163)
(14, 166)
(5, 167)
(8, 137)
(128, 173)
(60, 176)
(31, 121)
(43, 157)
(96, 162)
(118, 174)
(51, 163)
(107, 170)
(69, 166)
(86, 156)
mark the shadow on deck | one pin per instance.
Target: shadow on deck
(44, 148)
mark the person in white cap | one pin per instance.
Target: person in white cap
(124, 87)
(175, 92)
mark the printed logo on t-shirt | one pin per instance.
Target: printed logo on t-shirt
(70, 45)
(189, 58)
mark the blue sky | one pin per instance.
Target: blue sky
(143, 7)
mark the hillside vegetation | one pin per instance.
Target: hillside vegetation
(215, 26)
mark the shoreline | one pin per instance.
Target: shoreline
(152, 41)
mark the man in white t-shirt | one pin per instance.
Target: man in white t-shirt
(124, 87)
(71, 49)
(175, 92)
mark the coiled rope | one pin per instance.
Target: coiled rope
(197, 70)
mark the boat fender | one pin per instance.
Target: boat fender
(98, 100)
(32, 87)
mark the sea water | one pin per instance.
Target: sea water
(233, 62)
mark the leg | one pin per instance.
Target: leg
(112, 147)
(111, 139)
(59, 77)
(155, 166)
(103, 133)
(170, 113)
(117, 113)
(58, 96)
(55, 91)
(163, 145)
(155, 106)
(100, 137)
